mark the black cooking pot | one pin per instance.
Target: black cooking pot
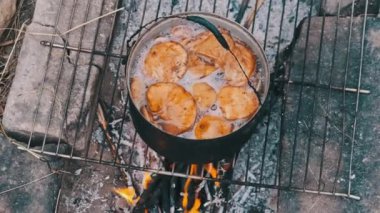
(181, 149)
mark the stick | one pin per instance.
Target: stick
(26, 184)
(251, 17)
(12, 51)
(9, 42)
(57, 203)
(22, 147)
(70, 30)
(150, 195)
(103, 125)
(92, 20)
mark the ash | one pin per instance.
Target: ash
(249, 164)
(251, 168)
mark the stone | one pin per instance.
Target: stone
(54, 93)
(331, 7)
(365, 169)
(7, 10)
(19, 167)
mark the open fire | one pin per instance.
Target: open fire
(173, 194)
(152, 192)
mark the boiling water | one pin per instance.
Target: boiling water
(215, 79)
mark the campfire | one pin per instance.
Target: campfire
(198, 190)
(169, 194)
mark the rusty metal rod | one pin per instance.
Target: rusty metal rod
(347, 89)
(95, 52)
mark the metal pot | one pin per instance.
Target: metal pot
(180, 149)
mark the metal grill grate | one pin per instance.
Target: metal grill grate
(287, 143)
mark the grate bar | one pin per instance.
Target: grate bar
(107, 59)
(295, 140)
(88, 74)
(322, 86)
(121, 56)
(270, 97)
(45, 75)
(315, 99)
(82, 50)
(283, 110)
(115, 82)
(138, 14)
(357, 96)
(67, 104)
(56, 87)
(268, 19)
(326, 125)
(344, 95)
(195, 177)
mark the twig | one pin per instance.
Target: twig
(58, 198)
(2, 131)
(12, 51)
(119, 159)
(313, 205)
(9, 42)
(331, 122)
(92, 20)
(19, 146)
(26, 184)
(22, 147)
(70, 30)
(251, 17)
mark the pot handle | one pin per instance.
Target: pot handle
(218, 35)
(213, 29)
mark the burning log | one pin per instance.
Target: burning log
(185, 199)
(170, 194)
(174, 189)
(165, 201)
(213, 172)
(150, 194)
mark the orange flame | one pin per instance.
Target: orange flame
(129, 194)
(147, 180)
(185, 200)
(213, 172)
(196, 206)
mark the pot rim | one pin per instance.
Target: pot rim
(265, 65)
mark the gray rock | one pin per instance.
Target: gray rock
(44, 101)
(19, 167)
(331, 7)
(7, 10)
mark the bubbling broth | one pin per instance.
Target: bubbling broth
(185, 83)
